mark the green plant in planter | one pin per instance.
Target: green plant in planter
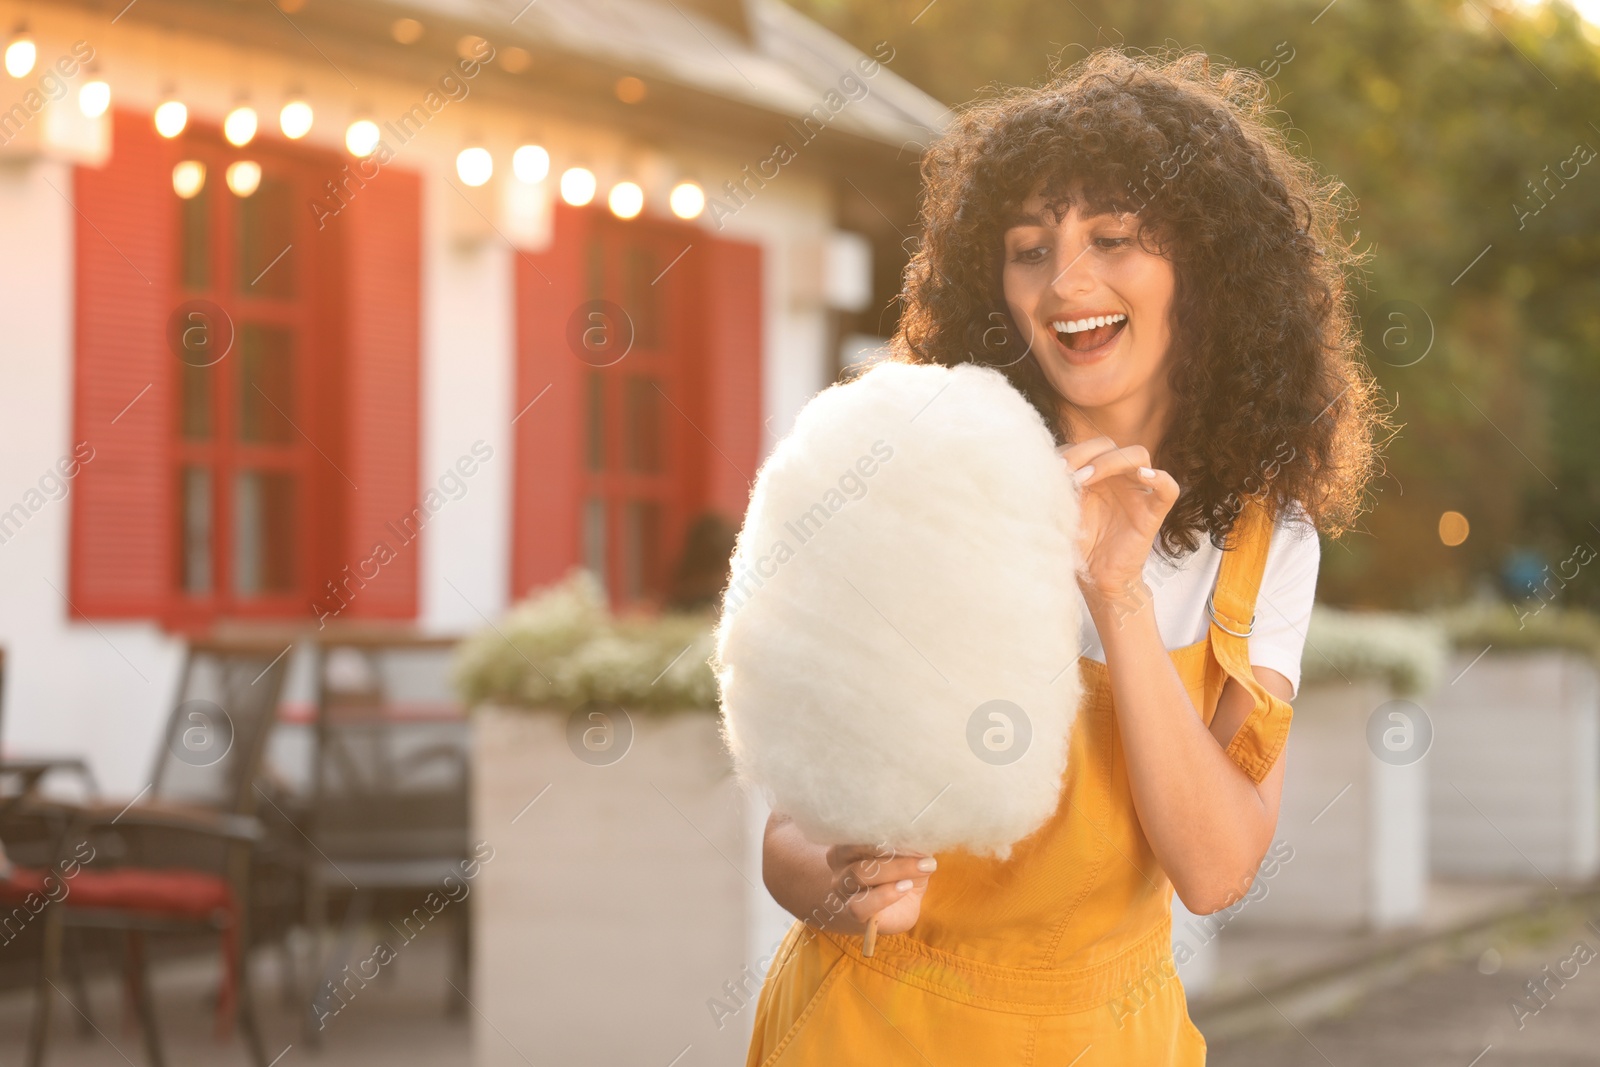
(1473, 626)
(1407, 651)
(562, 646)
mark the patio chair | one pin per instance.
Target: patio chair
(31, 838)
(20, 777)
(178, 858)
(388, 816)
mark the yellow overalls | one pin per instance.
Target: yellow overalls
(1059, 956)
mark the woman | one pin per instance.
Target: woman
(1152, 266)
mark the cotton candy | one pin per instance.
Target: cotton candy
(896, 649)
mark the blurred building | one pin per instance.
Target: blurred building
(332, 311)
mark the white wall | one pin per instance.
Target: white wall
(468, 388)
(790, 211)
(103, 689)
(99, 689)
(1516, 778)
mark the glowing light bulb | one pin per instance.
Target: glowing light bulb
(362, 137)
(244, 177)
(687, 200)
(171, 118)
(577, 186)
(93, 99)
(21, 54)
(1453, 528)
(188, 178)
(240, 126)
(295, 119)
(530, 164)
(630, 90)
(626, 200)
(475, 166)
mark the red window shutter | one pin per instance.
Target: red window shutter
(547, 437)
(732, 378)
(721, 401)
(382, 408)
(362, 419)
(121, 549)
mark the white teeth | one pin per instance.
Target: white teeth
(1079, 325)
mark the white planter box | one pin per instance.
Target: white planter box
(620, 904)
(1356, 824)
(1516, 770)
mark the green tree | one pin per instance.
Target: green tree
(1461, 128)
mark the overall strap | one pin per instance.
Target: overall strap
(1233, 601)
(1261, 737)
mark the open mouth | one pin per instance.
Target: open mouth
(1087, 334)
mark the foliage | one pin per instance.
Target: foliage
(1408, 651)
(1504, 626)
(561, 647)
(1452, 123)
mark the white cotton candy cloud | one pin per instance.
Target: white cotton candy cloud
(896, 650)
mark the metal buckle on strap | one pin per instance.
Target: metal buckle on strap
(1221, 626)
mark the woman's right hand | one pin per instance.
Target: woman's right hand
(886, 884)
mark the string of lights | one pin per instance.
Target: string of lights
(474, 164)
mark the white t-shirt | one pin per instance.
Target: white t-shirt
(1283, 605)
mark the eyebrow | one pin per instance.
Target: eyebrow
(1030, 218)
(1034, 218)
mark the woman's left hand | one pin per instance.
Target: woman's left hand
(1122, 503)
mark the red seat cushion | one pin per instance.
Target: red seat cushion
(173, 892)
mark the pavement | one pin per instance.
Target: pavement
(1470, 1008)
(397, 1021)
(1450, 993)
(1302, 973)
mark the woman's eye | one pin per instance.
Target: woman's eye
(1032, 255)
(1112, 242)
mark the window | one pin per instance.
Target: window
(632, 436)
(246, 469)
(234, 394)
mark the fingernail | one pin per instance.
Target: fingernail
(1146, 472)
(1082, 473)
(928, 864)
(903, 884)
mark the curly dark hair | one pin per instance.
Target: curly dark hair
(1272, 398)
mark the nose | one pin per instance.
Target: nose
(1074, 269)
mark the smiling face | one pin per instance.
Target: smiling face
(1093, 304)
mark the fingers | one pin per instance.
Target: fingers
(844, 855)
(864, 905)
(1131, 462)
(840, 856)
(876, 872)
(1120, 462)
(1100, 452)
(1165, 486)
